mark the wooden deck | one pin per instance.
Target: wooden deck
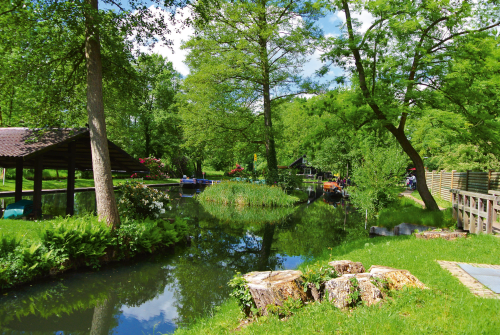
(9, 194)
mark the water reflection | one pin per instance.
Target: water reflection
(172, 288)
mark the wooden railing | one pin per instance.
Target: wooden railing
(475, 212)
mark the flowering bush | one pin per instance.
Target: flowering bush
(139, 201)
(157, 169)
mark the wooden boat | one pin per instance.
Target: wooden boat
(331, 188)
(197, 182)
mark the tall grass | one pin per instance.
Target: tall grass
(245, 194)
(247, 215)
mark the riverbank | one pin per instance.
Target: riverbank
(10, 185)
(447, 307)
(30, 250)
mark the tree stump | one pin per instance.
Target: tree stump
(345, 266)
(396, 279)
(341, 291)
(274, 287)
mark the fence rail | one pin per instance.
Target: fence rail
(442, 182)
(475, 212)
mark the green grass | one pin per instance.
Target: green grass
(441, 202)
(22, 229)
(246, 194)
(406, 210)
(10, 185)
(447, 307)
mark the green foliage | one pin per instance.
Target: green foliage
(245, 194)
(139, 236)
(375, 177)
(84, 239)
(139, 201)
(241, 292)
(317, 275)
(290, 306)
(414, 214)
(288, 179)
(355, 294)
(247, 214)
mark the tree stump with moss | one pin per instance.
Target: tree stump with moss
(345, 266)
(274, 287)
(395, 279)
(351, 289)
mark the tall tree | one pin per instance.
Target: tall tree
(254, 50)
(396, 60)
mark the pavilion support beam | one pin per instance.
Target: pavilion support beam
(37, 188)
(19, 180)
(70, 193)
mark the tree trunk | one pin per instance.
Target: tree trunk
(422, 188)
(199, 172)
(105, 196)
(398, 133)
(103, 315)
(274, 287)
(272, 162)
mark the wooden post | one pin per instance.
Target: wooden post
(465, 215)
(432, 182)
(70, 191)
(489, 179)
(453, 203)
(19, 180)
(460, 221)
(37, 188)
(471, 218)
(452, 176)
(440, 182)
(467, 181)
(489, 216)
(479, 227)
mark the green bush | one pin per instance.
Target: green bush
(139, 201)
(288, 179)
(82, 239)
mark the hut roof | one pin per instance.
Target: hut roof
(53, 144)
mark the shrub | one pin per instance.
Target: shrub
(288, 179)
(403, 212)
(82, 240)
(157, 169)
(140, 202)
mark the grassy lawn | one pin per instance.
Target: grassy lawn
(54, 184)
(447, 307)
(441, 202)
(21, 229)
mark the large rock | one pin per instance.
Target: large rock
(395, 279)
(345, 266)
(341, 291)
(274, 287)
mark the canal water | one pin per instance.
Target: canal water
(160, 292)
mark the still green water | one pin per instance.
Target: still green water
(161, 292)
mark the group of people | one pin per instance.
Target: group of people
(411, 182)
(343, 182)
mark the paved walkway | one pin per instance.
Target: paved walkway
(475, 286)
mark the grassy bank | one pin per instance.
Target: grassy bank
(441, 202)
(10, 185)
(30, 249)
(246, 194)
(447, 307)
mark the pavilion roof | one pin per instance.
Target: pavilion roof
(53, 144)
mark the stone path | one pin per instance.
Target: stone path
(475, 286)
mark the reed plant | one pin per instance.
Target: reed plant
(247, 215)
(246, 194)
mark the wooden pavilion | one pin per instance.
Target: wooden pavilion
(60, 149)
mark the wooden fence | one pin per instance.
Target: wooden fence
(441, 183)
(475, 212)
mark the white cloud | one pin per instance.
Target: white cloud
(173, 53)
(364, 17)
(161, 305)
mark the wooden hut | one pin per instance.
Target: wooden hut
(64, 149)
